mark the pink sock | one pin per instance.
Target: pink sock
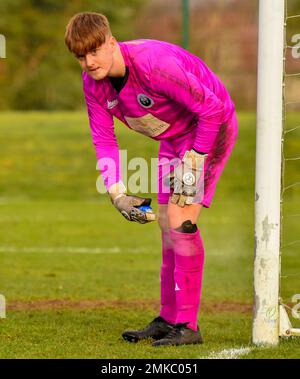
(168, 298)
(189, 260)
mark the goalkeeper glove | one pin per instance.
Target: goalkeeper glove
(129, 205)
(187, 180)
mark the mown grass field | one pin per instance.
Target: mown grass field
(75, 274)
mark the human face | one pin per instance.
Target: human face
(98, 62)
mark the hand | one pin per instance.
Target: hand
(129, 205)
(129, 208)
(187, 180)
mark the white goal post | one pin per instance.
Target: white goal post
(270, 319)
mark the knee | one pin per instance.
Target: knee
(177, 215)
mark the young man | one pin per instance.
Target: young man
(166, 93)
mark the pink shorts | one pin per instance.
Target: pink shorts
(174, 149)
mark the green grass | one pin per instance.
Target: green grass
(75, 274)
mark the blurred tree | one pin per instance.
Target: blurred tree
(39, 72)
(224, 33)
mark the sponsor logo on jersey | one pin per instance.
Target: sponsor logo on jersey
(145, 101)
(148, 125)
(111, 104)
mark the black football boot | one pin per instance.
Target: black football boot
(180, 335)
(157, 329)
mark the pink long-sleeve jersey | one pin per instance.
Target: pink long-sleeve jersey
(168, 91)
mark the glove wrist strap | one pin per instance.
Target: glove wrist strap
(194, 159)
(117, 190)
(203, 155)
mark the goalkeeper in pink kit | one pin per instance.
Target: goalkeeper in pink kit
(166, 93)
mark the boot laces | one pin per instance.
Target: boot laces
(176, 330)
(157, 319)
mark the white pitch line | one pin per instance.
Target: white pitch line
(229, 353)
(76, 250)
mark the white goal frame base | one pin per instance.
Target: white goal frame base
(285, 326)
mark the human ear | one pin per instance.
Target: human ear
(112, 43)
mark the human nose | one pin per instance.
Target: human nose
(89, 60)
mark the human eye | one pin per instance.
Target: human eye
(80, 57)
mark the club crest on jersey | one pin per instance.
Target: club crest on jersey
(145, 101)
